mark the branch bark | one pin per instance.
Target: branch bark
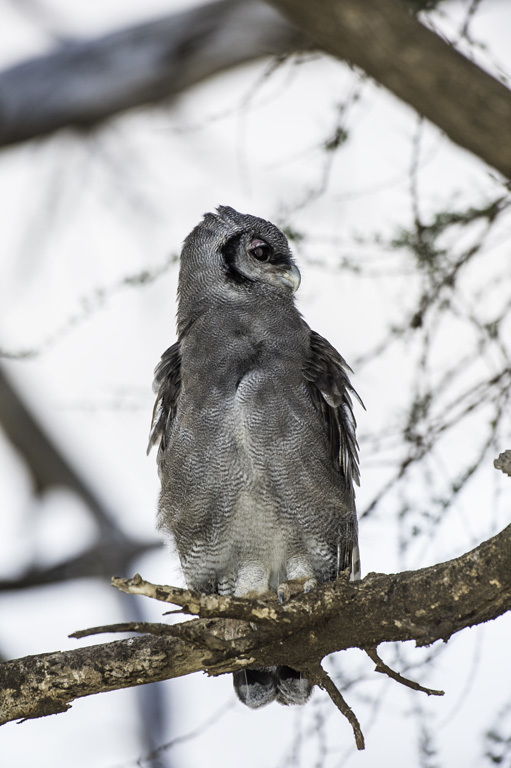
(426, 605)
(85, 82)
(386, 41)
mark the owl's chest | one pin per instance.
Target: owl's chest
(243, 396)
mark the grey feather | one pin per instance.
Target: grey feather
(254, 421)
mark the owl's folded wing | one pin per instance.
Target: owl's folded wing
(330, 389)
(166, 385)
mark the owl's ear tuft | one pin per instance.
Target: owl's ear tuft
(227, 213)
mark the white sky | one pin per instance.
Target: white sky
(76, 219)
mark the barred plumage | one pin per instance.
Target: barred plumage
(257, 448)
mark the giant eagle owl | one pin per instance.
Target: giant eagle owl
(257, 449)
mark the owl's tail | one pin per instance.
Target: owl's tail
(258, 687)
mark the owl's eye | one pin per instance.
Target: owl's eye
(260, 250)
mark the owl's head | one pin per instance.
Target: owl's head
(237, 253)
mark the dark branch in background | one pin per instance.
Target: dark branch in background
(113, 549)
(425, 605)
(49, 468)
(46, 463)
(95, 562)
(86, 82)
(389, 44)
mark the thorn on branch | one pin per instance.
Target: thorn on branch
(318, 676)
(386, 670)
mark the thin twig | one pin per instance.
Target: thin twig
(386, 670)
(321, 678)
(143, 627)
(186, 631)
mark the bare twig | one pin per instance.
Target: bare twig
(321, 678)
(142, 627)
(386, 670)
(188, 631)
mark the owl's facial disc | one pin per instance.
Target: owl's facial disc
(252, 259)
(278, 271)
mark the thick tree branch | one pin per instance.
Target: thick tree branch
(87, 81)
(425, 605)
(49, 467)
(386, 41)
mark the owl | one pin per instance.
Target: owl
(257, 453)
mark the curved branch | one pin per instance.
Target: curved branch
(386, 41)
(327, 684)
(87, 81)
(386, 670)
(425, 605)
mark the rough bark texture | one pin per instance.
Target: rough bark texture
(426, 605)
(386, 41)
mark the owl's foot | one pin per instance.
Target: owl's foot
(295, 587)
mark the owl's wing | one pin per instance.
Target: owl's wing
(330, 389)
(166, 385)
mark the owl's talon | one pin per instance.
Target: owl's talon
(283, 592)
(288, 589)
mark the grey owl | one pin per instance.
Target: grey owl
(257, 450)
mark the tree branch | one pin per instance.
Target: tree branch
(386, 41)
(325, 682)
(386, 670)
(425, 605)
(87, 81)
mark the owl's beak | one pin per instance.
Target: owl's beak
(290, 276)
